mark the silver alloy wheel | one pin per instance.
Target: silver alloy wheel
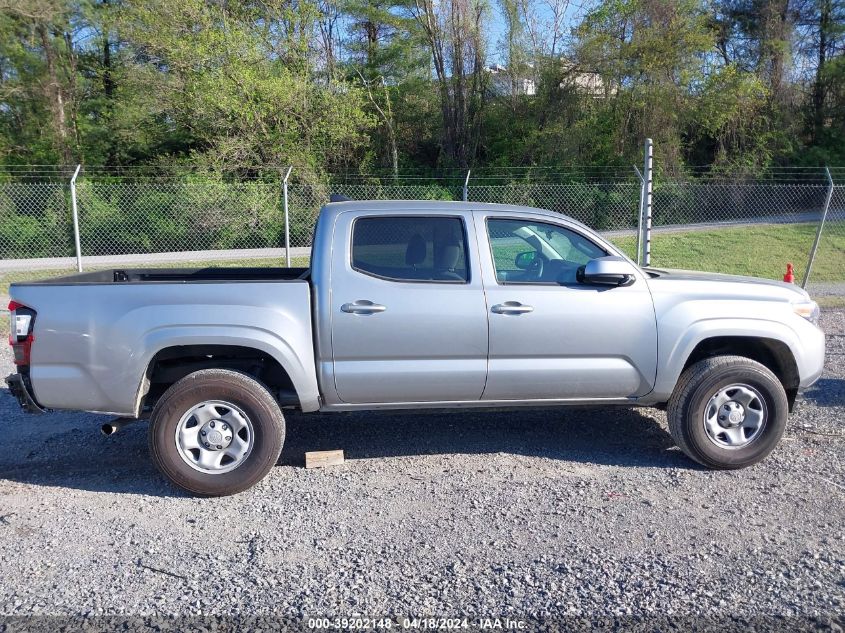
(214, 437)
(735, 416)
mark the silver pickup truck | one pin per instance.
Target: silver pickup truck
(412, 305)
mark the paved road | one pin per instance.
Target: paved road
(790, 218)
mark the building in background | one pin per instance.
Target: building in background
(504, 83)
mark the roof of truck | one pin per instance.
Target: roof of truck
(441, 205)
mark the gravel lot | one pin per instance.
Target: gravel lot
(572, 516)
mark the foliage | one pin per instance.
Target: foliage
(355, 85)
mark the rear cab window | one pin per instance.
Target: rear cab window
(430, 249)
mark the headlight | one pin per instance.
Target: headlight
(807, 309)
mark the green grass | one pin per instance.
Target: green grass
(759, 251)
(830, 302)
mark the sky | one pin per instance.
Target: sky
(575, 10)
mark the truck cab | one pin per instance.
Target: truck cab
(438, 303)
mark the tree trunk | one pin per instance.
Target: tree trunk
(55, 97)
(458, 32)
(775, 43)
(109, 92)
(820, 87)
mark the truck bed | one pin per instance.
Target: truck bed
(175, 275)
(95, 335)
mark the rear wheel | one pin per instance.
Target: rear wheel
(727, 412)
(216, 432)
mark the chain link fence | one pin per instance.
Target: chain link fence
(603, 206)
(732, 225)
(35, 220)
(120, 218)
(305, 201)
(827, 279)
(745, 227)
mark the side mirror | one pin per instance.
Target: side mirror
(524, 260)
(607, 271)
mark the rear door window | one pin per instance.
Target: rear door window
(411, 248)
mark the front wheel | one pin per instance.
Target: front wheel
(216, 432)
(727, 412)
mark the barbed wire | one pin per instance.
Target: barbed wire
(810, 175)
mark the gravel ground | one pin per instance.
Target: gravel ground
(574, 517)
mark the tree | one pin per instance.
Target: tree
(340, 84)
(516, 56)
(824, 36)
(649, 54)
(41, 63)
(756, 35)
(385, 54)
(241, 78)
(453, 31)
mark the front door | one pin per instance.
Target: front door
(551, 337)
(409, 321)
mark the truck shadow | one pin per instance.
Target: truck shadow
(827, 392)
(608, 436)
(68, 451)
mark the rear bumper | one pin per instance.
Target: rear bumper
(18, 387)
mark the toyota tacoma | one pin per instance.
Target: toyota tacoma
(410, 305)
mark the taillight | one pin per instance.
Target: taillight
(21, 324)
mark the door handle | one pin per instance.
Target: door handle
(511, 307)
(362, 306)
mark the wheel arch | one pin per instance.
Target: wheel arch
(772, 353)
(771, 343)
(172, 355)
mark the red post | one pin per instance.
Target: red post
(789, 277)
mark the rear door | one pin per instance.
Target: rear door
(409, 320)
(551, 337)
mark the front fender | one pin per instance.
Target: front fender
(675, 347)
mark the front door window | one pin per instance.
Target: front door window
(536, 252)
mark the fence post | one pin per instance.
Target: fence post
(648, 179)
(819, 231)
(640, 216)
(75, 212)
(287, 217)
(466, 186)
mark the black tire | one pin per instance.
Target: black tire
(692, 394)
(251, 397)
